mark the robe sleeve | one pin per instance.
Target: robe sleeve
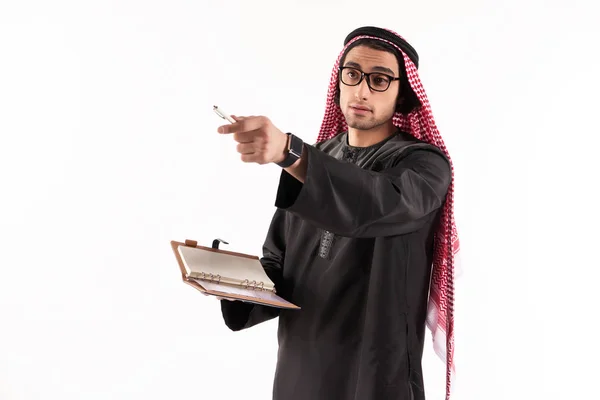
(350, 201)
(239, 315)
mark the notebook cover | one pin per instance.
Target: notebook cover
(247, 295)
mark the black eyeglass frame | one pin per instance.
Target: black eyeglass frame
(368, 76)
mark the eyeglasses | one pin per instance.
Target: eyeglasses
(377, 81)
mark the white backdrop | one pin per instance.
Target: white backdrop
(109, 150)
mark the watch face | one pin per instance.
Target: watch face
(296, 145)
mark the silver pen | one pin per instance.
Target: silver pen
(223, 115)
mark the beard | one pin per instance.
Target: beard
(366, 122)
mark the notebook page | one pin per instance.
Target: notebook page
(227, 266)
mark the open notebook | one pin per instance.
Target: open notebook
(226, 274)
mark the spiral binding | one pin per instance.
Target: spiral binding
(210, 277)
(246, 284)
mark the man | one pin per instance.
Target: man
(361, 218)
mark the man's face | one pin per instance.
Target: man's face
(363, 108)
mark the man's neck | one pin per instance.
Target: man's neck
(362, 138)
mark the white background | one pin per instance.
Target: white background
(109, 150)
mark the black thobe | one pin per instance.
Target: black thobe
(353, 247)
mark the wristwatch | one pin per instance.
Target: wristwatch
(295, 145)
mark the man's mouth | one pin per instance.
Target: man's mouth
(360, 108)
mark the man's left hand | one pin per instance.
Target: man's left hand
(259, 141)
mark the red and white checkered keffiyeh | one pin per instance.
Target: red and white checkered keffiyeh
(420, 123)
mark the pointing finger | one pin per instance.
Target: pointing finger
(242, 124)
(237, 126)
(247, 136)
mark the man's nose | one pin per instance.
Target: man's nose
(363, 90)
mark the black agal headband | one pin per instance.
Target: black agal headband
(386, 35)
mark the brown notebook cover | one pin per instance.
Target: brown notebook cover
(212, 284)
